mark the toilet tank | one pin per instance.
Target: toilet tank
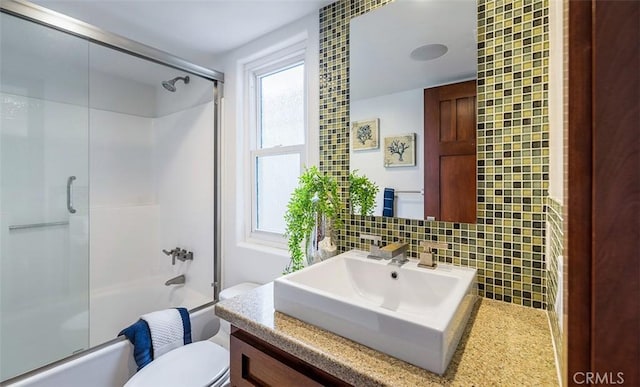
(231, 292)
(237, 290)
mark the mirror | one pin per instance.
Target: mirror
(396, 52)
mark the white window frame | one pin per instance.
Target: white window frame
(269, 64)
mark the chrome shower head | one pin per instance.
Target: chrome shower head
(171, 85)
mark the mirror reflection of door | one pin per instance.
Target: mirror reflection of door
(450, 152)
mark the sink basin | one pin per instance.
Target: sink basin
(418, 316)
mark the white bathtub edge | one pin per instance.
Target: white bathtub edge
(113, 364)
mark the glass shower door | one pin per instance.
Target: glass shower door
(44, 224)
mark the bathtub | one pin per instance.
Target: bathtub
(111, 364)
(116, 307)
(39, 334)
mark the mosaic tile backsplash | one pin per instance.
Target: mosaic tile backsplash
(506, 245)
(556, 237)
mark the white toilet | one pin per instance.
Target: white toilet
(202, 363)
(222, 337)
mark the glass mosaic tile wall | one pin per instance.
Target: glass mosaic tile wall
(506, 244)
(556, 237)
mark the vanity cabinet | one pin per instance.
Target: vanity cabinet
(255, 362)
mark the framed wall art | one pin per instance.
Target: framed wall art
(365, 134)
(400, 150)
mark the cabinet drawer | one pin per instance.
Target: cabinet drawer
(257, 363)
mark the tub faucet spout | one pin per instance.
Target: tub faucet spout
(179, 280)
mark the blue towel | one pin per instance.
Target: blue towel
(140, 336)
(186, 323)
(389, 197)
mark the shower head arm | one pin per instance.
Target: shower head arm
(184, 79)
(171, 84)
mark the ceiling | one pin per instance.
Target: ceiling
(197, 30)
(382, 40)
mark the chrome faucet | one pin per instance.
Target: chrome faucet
(397, 252)
(179, 254)
(374, 250)
(426, 258)
(179, 280)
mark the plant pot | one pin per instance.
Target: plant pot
(320, 244)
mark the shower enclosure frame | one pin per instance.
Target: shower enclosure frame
(60, 22)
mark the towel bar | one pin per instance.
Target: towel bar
(421, 192)
(37, 225)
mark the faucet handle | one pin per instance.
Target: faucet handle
(375, 239)
(184, 255)
(374, 250)
(428, 245)
(426, 257)
(173, 253)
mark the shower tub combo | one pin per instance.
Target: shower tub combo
(108, 154)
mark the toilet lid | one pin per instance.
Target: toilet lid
(197, 364)
(237, 290)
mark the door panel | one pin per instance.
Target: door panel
(450, 152)
(454, 175)
(43, 195)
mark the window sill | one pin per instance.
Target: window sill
(265, 247)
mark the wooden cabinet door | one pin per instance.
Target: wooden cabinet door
(255, 362)
(450, 152)
(252, 367)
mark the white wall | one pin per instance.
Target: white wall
(121, 150)
(183, 163)
(124, 211)
(556, 101)
(114, 93)
(399, 113)
(244, 261)
(151, 189)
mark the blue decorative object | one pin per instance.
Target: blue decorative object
(139, 335)
(389, 197)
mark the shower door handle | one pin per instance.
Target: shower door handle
(70, 195)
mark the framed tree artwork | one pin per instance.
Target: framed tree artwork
(400, 150)
(365, 135)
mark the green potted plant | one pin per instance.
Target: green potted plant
(362, 194)
(312, 214)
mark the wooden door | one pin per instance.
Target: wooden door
(602, 275)
(450, 152)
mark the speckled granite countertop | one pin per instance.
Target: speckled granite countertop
(503, 345)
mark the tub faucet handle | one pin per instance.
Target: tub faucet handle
(172, 253)
(184, 255)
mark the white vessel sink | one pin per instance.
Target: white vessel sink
(417, 317)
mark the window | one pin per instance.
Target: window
(278, 119)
